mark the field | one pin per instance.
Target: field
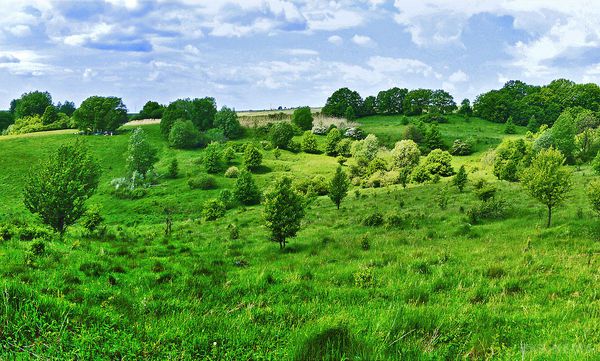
(430, 287)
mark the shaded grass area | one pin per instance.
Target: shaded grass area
(430, 286)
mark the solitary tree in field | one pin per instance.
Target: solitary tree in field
(303, 118)
(141, 155)
(283, 212)
(547, 179)
(338, 187)
(460, 179)
(57, 191)
(100, 114)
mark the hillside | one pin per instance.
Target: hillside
(426, 284)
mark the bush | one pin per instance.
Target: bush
(421, 174)
(226, 119)
(461, 147)
(213, 209)
(184, 135)
(213, 135)
(365, 150)
(364, 278)
(492, 209)
(485, 192)
(343, 147)
(252, 157)
(593, 193)
(413, 133)
(317, 185)
(433, 118)
(203, 182)
(173, 170)
(373, 220)
(355, 133)
(309, 142)
(228, 155)
(133, 187)
(332, 140)
(319, 129)
(245, 189)
(406, 154)
(232, 172)
(439, 162)
(377, 165)
(281, 135)
(302, 118)
(92, 218)
(227, 197)
(212, 158)
(596, 163)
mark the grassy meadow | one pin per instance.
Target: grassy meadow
(430, 286)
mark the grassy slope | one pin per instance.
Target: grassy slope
(441, 289)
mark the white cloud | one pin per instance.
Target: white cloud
(400, 65)
(458, 76)
(19, 30)
(362, 40)
(335, 40)
(190, 49)
(302, 52)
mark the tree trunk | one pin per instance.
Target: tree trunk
(549, 216)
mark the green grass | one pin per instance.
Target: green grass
(432, 288)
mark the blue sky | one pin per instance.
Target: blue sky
(257, 54)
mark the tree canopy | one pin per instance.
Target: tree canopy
(98, 113)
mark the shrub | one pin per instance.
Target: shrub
(228, 155)
(413, 133)
(485, 192)
(373, 220)
(596, 163)
(203, 182)
(354, 133)
(234, 232)
(332, 140)
(252, 157)
(319, 129)
(394, 220)
(38, 248)
(213, 209)
(245, 189)
(421, 174)
(226, 119)
(433, 118)
(302, 118)
(491, 209)
(364, 278)
(212, 158)
(461, 147)
(92, 218)
(365, 149)
(509, 127)
(213, 135)
(281, 135)
(232, 172)
(593, 193)
(183, 135)
(460, 179)
(439, 162)
(173, 170)
(406, 154)
(343, 147)
(227, 198)
(309, 142)
(377, 165)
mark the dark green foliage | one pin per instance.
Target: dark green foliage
(488, 210)
(533, 125)
(338, 187)
(281, 135)
(212, 158)
(350, 114)
(151, 110)
(30, 104)
(58, 189)
(369, 106)
(337, 104)
(309, 142)
(252, 157)
(98, 114)
(433, 118)
(183, 135)
(512, 156)
(563, 135)
(6, 119)
(203, 182)
(173, 170)
(331, 142)
(441, 102)
(433, 138)
(213, 209)
(460, 179)
(50, 115)
(485, 191)
(201, 112)
(68, 108)
(283, 211)
(302, 118)
(226, 119)
(390, 101)
(413, 133)
(246, 191)
(416, 101)
(329, 341)
(373, 220)
(509, 127)
(465, 108)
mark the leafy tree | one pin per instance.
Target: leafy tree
(340, 100)
(212, 158)
(593, 193)
(416, 101)
(141, 155)
(433, 137)
(365, 150)
(67, 108)
(213, 209)
(58, 189)
(283, 211)
(281, 135)
(30, 104)
(201, 112)
(563, 135)
(413, 133)
(391, 101)
(465, 108)
(228, 155)
(309, 142)
(183, 135)
(173, 169)
(100, 114)
(547, 179)
(6, 119)
(369, 106)
(151, 110)
(338, 187)
(439, 162)
(596, 163)
(406, 153)
(227, 120)
(512, 156)
(350, 114)
(509, 127)
(303, 118)
(180, 109)
(50, 115)
(331, 141)
(441, 102)
(460, 179)
(252, 157)
(245, 190)
(534, 124)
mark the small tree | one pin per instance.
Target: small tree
(283, 211)
(173, 169)
(281, 135)
(212, 158)
(309, 142)
(252, 157)
(183, 135)
(350, 114)
(460, 179)
(57, 191)
(593, 193)
(302, 117)
(509, 127)
(100, 114)
(227, 120)
(141, 155)
(50, 115)
(228, 155)
(331, 141)
(406, 154)
(547, 179)
(338, 187)
(245, 189)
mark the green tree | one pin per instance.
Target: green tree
(141, 155)
(309, 142)
(350, 114)
(369, 106)
(227, 120)
(534, 124)
(58, 189)
(281, 135)
(173, 170)
(303, 118)
(390, 101)
(593, 193)
(439, 162)
(331, 141)
(406, 153)
(100, 114)
(151, 110)
(441, 102)
(183, 135)
(30, 104)
(338, 187)
(6, 119)
(50, 115)
(245, 190)
(563, 135)
(283, 211)
(212, 158)
(460, 179)
(340, 100)
(67, 108)
(180, 109)
(433, 137)
(509, 127)
(229, 155)
(547, 179)
(465, 108)
(252, 157)
(201, 112)
(416, 101)
(365, 150)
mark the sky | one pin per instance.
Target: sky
(261, 54)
